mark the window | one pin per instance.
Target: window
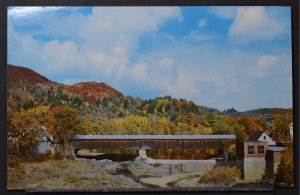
(265, 137)
(250, 149)
(261, 149)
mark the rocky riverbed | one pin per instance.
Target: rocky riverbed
(106, 174)
(100, 174)
(77, 174)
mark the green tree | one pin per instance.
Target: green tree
(221, 127)
(135, 125)
(159, 126)
(88, 126)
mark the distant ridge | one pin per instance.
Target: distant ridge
(18, 76)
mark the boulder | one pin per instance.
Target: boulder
(141, 168)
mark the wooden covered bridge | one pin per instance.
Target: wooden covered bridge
(144, 142)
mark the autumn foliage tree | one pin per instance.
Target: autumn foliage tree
(285, 174)
(61, 122)
(24, 128)
(281, 126)
(250, 125)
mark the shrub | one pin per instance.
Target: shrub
(222, 175)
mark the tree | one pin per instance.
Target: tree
(183, 127)
(88, 126)
(24, 127)
(285, 174)
(61, 122)
(173, 129)
(159, 126)
(203, 130)
(151, 108)
(281, 127)
(135, 125)
(250, 125)
(236, 127)
(221, 127)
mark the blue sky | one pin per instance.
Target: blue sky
(219, 57)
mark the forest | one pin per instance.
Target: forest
(34, 109)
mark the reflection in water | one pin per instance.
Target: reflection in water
(188, 154)
(116, 155)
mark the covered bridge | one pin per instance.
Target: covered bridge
(144, 142)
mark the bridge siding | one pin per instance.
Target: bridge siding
(148, 144)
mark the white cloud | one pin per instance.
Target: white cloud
(22, 46)
(185, 84)
(197, 36)
(165, 63)
(21, 12)
(202, 23)
(224, 12)
(265, 61)
(111, 34)
(121, 26)
(140, 71)
(265, 65)
(255, 23)
(104, 46)
(100, 43)
(59, 57)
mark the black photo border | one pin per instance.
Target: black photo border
(293, 4)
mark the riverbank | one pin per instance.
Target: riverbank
(139, 173)
(76, 174)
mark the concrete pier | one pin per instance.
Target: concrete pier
(142, 153)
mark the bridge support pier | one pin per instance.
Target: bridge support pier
(142, 153)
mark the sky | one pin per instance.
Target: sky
(219, 57)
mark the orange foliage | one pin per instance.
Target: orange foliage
(174, 129)
(250, 125)
(92, 91)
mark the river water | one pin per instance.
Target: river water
(252, 169)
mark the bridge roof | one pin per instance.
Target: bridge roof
(154, 137)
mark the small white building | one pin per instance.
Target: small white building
(262, 136)
(44, 142)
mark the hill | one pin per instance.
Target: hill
(101, 109)
(266, 114)
(18, 76)
(93, 90)
(21, 76)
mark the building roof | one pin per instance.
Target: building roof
(275, 148)
(169, 137)
(256, 135)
